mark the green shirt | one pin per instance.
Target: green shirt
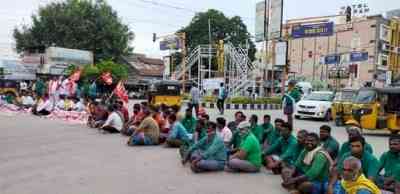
(270, 134)
(285, 148)
(370, 164)
(189, 123)
(332, 146)
(236, 139)
(210, 150)
(258, 131)
(397, 173)
(346, 148)
(319, 168)
(252, 148)
(297, 150)
(388, 161)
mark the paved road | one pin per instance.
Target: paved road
(42, 156)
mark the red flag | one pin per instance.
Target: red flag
(121, 92)
(106, 77)
(76, 75)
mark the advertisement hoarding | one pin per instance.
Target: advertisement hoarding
(280, 51)
(260, 21)
(15, 70)
(167, 65)
(313, 30)
(61, 56)
(212, 84)
(332, 59)
(275, 19)
(170, 43)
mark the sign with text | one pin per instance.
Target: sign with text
(260, 21)
(313, 30)
(358, 56)
(332, 59)
(170, 43)
(275, 19)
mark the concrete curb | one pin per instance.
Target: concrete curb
(244, 106)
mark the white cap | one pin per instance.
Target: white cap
(244, 124)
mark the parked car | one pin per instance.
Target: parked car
(315, 105)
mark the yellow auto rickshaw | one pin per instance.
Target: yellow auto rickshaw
(341, 106)
(165, 92)
(9, 87)
(378, 108)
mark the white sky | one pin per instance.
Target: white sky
(145, 17)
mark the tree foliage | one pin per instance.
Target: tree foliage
(77, 24)
(221, 26)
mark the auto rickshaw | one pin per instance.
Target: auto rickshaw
(341, 106)
(165, 92)
(377, 109)
(9, 87)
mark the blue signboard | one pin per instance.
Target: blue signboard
(332, 59)
(172, 43)
(312, 30)
(358, 56)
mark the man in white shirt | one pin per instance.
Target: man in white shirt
(195, 98)
(61, 103)
(223, 131)
(79, 106)
(114, 122)
(27, 100)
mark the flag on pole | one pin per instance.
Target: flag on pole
(107, 78)
(76, 75)
(121, 92)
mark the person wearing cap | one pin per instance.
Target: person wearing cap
(282, 150)
(388, 162)
(370, 164)
(248, 156)
(353, 131)
(289, 101)
(209, 154)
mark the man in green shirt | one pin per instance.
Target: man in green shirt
(288, 168)
(269, 132)
(236, 138)
(248, 157)
(346, 147)
(370, 164)
(256, 129)
(289, 101)
(388, 163)
(329, 143)
(312, 167)
(209, 154)
(282, 150)
(189, 122)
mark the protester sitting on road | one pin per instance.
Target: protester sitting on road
(282, 150)
(27, 100)
(209, 154)
(60, 105)
(114, 121)
(256, 129)
(147, 133)
(238, 119)
(78, 106)
(189, 122)
(178, 135)
(248, 156)
(329, 143)
(133, 122)
(223, 131)
(44, 107)
(352, 131)
(123, 110)
(236, 138)
(353, 182)
(388, 162)
(200, 131)
(69, 104)
(278, 127)
(269, 132)
(312, 168)
(100, 115)
(370, 164)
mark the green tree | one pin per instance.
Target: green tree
(221, 26)
(77, 24)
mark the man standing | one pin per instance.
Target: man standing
(388, 162)
(221, 98)
(289, 101)
(195, 98)
(329, 143)
(208, 154)
(248, 156)
(312, 167)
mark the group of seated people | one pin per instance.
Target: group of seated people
(308, 163)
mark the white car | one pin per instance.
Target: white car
(315, 105)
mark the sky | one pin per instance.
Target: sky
(164, 17)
